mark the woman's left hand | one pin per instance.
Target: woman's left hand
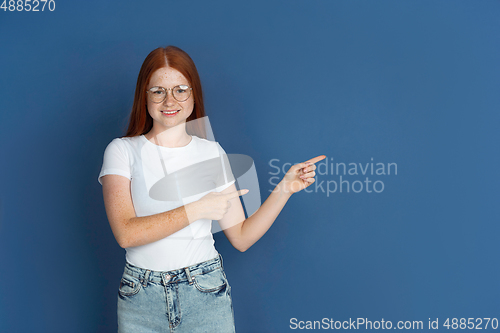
(299, 176)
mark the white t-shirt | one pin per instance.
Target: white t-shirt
(163, 179)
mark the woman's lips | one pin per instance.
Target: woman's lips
(170, 114)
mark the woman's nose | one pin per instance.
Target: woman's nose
(169, 99)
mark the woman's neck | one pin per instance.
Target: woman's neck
(172, 138)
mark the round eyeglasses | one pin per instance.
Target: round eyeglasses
(180, 93)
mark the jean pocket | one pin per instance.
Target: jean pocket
(210, 282)
(129, 285)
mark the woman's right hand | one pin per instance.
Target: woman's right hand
(212, 206)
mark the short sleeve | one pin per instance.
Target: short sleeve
(226, 178)
(115, 160)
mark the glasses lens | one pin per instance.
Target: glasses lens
(181, 93)
(157, 94)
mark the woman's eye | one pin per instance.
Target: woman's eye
(180, 91)
(158, 92)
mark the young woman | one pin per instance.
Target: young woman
(174, 278)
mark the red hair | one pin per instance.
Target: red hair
(170, 56)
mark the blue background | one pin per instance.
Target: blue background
(409, 82)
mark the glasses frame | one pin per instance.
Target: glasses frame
(166, 93)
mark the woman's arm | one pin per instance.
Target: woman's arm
(130, 230)
(243, 233)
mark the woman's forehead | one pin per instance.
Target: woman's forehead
(167, 76)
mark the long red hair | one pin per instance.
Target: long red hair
(171, 56)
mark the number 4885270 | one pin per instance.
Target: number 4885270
(28, 5)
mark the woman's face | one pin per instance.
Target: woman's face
(168, 78)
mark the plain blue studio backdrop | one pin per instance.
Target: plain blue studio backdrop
(415, 83)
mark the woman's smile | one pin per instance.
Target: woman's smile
(170, 113)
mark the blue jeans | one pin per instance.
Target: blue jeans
(191, 299)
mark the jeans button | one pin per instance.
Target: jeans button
(167, 277)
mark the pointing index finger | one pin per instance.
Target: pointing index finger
(236, 194)
(316, 159)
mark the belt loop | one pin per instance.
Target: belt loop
(145, 279)
(221, 263)
(190, 279)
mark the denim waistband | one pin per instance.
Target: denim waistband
(174, 276)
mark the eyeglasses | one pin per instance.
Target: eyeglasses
(180, 93)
